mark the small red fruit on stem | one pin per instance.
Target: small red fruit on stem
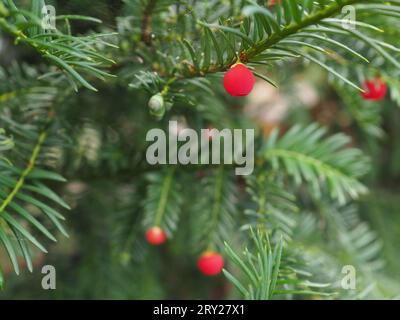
(210, 263)
(210, 133)
(375, 90)
(273, 2)
(239, 80)
(156, 236)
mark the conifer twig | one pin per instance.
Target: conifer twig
(146, 22)
(330, 10)
(30, 166)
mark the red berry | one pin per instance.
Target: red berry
(210, 134)
(273, 2)
(375, 90)
(156, 236)
(210, 263)
(239, 80)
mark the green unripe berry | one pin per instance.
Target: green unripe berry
(157, 106)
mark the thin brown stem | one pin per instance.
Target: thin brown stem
(146, 22)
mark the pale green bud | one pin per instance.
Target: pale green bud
(156, 105)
